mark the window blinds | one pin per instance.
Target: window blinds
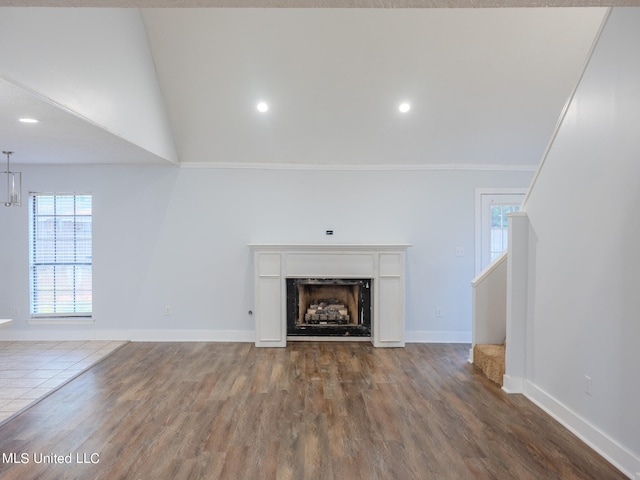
(60, 255)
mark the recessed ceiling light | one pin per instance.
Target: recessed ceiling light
(404, 107)
(28, 120)
(262, 107)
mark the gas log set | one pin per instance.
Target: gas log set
(327, 311)
(328, 307)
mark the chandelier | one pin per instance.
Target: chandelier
(14, 185)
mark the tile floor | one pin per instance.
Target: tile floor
(30, 370)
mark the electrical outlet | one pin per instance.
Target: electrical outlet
(587, 384)
(438, 311)
(15, 310)
(459, 251)
(167, 310)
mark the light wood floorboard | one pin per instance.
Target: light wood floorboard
(312, 410)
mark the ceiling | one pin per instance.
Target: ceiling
(319, 3)
(61, 136)
(486, 86)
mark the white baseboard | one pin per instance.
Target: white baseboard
(192, 336)
(512, 385)
(615, 453)
(170, 335)
(432, 336)
(132, 335)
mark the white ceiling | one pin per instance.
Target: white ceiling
(486, 87)
(320, 3)
(61, 136)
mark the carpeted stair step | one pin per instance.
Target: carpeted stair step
(490, 359)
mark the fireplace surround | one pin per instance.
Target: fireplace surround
(381, 265)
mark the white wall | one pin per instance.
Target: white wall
(490, 304)
(169, 236)
(93, 62)
(585, 263)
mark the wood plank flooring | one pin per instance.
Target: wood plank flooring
(309, 411)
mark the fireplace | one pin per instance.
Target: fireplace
(375, 271)
(328, 307)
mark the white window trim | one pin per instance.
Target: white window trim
(62, 318)
(478, 216)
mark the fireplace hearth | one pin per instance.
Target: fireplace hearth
(328, 307)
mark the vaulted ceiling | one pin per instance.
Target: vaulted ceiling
(485, 86)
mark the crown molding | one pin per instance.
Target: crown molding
(370, 167)
(320, 3)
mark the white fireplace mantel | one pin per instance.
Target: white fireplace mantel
(384, 264)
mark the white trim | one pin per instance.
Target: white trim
(478, 216)
(192, 336)
(367, 167)
(500, 191)
(201, 335)
(612, 451)
(169, 164)
(60, 321)
(338, 247)
(62, 193)
(435, 336)
(499, 260)
(243, 336)
(512, 385)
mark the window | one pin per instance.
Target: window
(60, 259)
(500, 229)
(492, 209)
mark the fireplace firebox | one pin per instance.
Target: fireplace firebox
(328, 307)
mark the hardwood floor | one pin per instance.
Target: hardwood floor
(307, 411)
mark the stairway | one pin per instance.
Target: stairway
(490, 359)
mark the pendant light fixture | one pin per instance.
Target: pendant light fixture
(14, 185)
